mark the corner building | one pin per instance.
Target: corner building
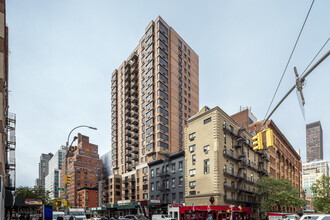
(154, 92)
(220, 162)
(84, 168)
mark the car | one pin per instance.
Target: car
(121, 218)
(316, 217)
(162, 217)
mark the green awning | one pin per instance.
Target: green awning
(130, 206)
(97, 209)
(154, 202)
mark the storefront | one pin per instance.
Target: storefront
(214, 213)
(173, 210)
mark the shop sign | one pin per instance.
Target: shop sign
(124, 202)
(33, 202)
(176, 205)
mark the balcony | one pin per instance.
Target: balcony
(135, 85)
(127, 85)
(129, 160)
(129, 167)
(134, 75)
(128, 140)
(229, 187)
(134, 92)
(128, 133)
(128, 146)
(125, 180)
(127, 98)
(128, 106)
(246, 190)
(135, 135)
(128, 126)
(134, 107)
(135, 121)
(127, 112)
(135, 157)
(230, 174)
(135, 128)
(134, 99)
(164, 173)
(134, 114)
(135, 143)
(127, 119)
(231, 156)
(227, 199)
(128, 153)
(135, 150)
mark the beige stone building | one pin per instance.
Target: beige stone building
(220, 161)
(153, 93)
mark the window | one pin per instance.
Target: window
(224, 138)
(149, 31)
(173, 182)
(162, 69)
(163, 136)
(192, 136)
(162, 144)
(163, 86)
(192, 172)
(179, 43)
(251, 177)
(161, 43)
(207, 120)
(192, 148)
(173, 167)
(149, 81)
(180, 166)
(206, 166)
(150, 121)
(162, 102)
(192, 193)
(162, 27)
(150, 129)
(206, 148)
(150, 113)
(231, 169)
(152, 187)
(145, 195)
(160, 76)
(163, 128)
(150, 138)
(180, 181)
(193, 157)
(161, 60)
(162, 119)
(162, 36)
(162, 111)
(149, 97)
(152, 173)
(162, 94)
(192, 184)
(173, 198)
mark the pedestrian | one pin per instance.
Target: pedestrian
(71, 218)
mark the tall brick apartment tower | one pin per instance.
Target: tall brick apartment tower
(84, 167)
(154, 92)
(314, 141)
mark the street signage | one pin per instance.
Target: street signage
(60, 188)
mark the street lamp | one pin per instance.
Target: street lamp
(66, 159)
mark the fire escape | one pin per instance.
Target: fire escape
(11, 147)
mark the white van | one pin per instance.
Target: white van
(162, 217)
(58, 214)
(316, 217)
(77, 214)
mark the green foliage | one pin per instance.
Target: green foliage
(278, 193)
(35, 192)
(321, 191)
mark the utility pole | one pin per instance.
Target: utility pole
(298, 85)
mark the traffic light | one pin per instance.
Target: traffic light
(67, 179)
(257, 142)
(269, 138)
(58, 203)
(65, 203)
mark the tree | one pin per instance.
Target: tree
(321, 191)
(278, 193)
(35, 192)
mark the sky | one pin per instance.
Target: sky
(63, 52)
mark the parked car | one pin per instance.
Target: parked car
(162, 217)
(316, 217)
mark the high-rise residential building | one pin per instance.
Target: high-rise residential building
(154, 93)
(314, 141)
(103, 185)
(8, 122)
(52, 180)
(284, 161)
(220, 162)
(43, 169)
(84, 168)
(312, 171)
